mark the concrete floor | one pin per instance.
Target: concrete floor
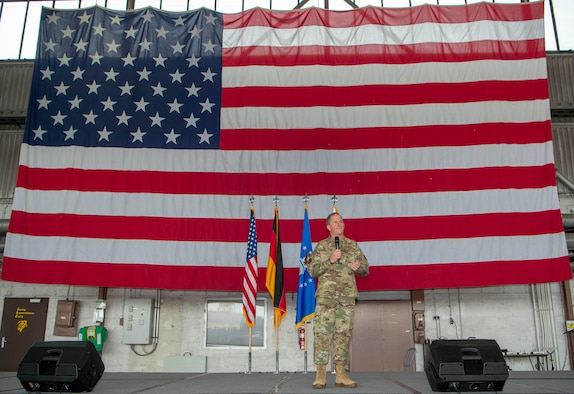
(523, 382)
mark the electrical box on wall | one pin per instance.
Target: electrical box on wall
(138, 321)
(66, 318)
(418, 307)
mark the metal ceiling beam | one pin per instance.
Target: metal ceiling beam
(564, 179)
(351, 3)
(301, 4)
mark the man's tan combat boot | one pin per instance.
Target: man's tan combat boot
(342, 380)
(321, 378)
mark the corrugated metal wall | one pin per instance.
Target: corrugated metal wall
(15, 82)
(561, 88)
(560, 82)
(563, 136)
(10, 141)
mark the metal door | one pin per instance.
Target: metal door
(381, 336)
(23, 324)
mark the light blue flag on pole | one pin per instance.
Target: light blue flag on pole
(306, 288)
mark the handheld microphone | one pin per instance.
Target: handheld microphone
(337, 243)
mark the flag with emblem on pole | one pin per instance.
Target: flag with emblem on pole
(306, 286)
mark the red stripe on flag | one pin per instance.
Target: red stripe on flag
(225, 278)
(388, 54)
(303, 96)
(384, 16)
(491, 273)
(229, 230)
(287, 184)
(386, 137)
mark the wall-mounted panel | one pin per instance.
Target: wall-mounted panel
(138, 321)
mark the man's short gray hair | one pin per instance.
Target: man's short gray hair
(331, 215)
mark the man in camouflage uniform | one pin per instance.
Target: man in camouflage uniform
(336, 292)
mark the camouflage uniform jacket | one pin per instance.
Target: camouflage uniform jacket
(337, 279)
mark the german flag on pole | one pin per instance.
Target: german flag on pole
(274, 274)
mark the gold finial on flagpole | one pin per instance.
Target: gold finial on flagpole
(276, 200)
(251, 199)
(306, 199)
(334, 199)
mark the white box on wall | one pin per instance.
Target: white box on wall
(138, 321)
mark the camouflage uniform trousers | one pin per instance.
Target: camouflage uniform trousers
(333, 324)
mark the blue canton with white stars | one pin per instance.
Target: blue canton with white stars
(141, 79)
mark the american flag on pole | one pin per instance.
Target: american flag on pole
(251, 274)
(146, 131)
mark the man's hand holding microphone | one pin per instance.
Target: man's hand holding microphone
(336, 256)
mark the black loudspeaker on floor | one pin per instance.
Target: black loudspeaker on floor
(61, 366)
(465, 365)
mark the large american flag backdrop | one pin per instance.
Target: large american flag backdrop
(147, 132)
